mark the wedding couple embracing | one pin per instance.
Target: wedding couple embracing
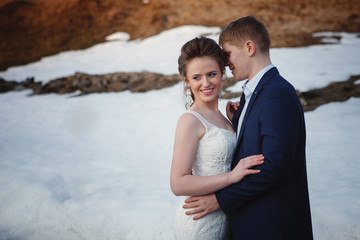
(244, 176)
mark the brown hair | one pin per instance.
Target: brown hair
(246, 28)
(201, 47)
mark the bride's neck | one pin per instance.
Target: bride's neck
(205, 107)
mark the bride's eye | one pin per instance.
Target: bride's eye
(212, 74)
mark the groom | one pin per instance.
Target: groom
(274, 204)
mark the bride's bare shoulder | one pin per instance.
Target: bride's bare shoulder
(188, 122)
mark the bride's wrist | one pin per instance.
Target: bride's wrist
(231, 177)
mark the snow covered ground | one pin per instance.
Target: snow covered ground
(97, 166)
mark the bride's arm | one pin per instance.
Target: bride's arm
(188, 133)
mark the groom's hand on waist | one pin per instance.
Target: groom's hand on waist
(201, 205)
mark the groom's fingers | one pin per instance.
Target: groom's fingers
(199, 210)
(194, 211)
(191, 199)
(197, 217)
(202, 213)
(201, 205)
(191, 205)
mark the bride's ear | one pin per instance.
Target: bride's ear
(186, 81)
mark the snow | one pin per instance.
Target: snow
(97, 166)
(155, 54)
(118, 36)
(305, 67)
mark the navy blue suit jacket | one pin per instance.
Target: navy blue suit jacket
(273, 204)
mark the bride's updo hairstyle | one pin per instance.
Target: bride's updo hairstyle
(200, 47)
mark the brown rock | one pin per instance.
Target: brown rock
(31, 29)
(145, 81)
(334, 92)
(116, 82)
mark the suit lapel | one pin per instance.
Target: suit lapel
(267, 76)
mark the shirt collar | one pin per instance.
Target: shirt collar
(249, 86)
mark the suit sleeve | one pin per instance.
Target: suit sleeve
(279, 122)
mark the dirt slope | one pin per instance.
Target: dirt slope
(31, 29)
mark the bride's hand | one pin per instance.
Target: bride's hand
(231, 108)
(243, 167)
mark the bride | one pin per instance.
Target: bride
(204, 141)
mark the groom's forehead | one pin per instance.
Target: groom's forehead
(226, 46)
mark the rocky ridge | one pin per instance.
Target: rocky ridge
(146, 81)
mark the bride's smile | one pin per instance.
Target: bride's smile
(207, 91)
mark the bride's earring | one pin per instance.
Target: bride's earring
(189, 100)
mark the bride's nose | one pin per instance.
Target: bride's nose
(206, 81)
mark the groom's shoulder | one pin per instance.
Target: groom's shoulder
(278, 85)
(277, 80)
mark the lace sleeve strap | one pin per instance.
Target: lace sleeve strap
(201, 118)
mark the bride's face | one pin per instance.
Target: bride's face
(204, 76)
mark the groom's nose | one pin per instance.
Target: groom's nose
(228, 63)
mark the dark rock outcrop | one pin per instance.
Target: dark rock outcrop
(86, 83)
(334, 92)
(146, 81)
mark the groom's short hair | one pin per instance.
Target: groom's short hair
(246, 28)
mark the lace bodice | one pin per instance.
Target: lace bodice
(214, 156)
(215, 150)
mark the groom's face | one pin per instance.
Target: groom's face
(238, 60)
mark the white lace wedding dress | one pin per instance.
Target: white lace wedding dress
(214, 156)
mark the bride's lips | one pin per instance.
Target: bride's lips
(207, 91)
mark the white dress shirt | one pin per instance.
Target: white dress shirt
(248, 89)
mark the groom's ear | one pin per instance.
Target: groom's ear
(250, 47)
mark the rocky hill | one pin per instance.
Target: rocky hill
(31, 29)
